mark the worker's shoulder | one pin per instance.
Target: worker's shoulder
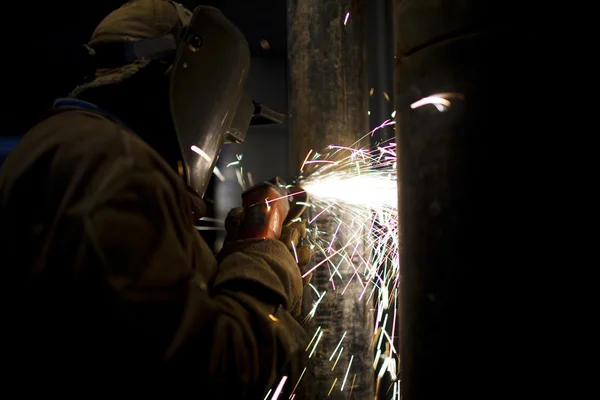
(74, 144)
(81, 136)
(83, 133)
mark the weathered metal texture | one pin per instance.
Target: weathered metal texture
(328, 100)
(467, 173)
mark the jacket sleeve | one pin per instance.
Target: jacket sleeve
(229, 335)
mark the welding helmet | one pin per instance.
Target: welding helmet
(210, 60)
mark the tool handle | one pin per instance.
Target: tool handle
(265, 208)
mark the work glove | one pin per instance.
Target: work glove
(291, 236)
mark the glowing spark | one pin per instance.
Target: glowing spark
(286, 196)
(367, 190)
(395, 312)
(305, 160)
(390, 342)
(319, 162)
(314, 309)
(430, 100)
(216, 220)
(337, 359)
(371, 92)
(316, 344)
(440, 100)
(279, 388)
(297, 383)
(295, 253)
(273, 318)
(233, 163)
(264, 44)
(386, 123)
(315, 335)
(201, 152)
(333, 238)
(384, 367)
(377, 356)
(267, 203)
(268, 393)
(346, 19)
(387, 97)
(240, 179)
(332, 386)
(319, 214)
(218, 173)
(348, 370)
(325, 260)
(338, 346)
(394, 114)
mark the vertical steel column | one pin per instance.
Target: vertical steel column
(380, 52)
(328, 96)
(466, 130)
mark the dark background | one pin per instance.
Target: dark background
(38, 66)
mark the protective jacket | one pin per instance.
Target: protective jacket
(109, 286)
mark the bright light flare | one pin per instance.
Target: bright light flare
(353, 194)
(352, 227)
(374, 191)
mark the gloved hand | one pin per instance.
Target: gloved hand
(290, 235)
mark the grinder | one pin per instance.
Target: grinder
(269, 203)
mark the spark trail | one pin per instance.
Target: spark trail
(356, 188)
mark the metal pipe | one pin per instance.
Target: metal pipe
(465, 138)
(380, 52)
(328, 100)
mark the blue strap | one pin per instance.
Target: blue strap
(72, 102)
(7, 143)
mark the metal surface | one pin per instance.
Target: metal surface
(207, 82)
(467, 174)
(241, 121)
(328, 102)
(380, 51)
(265, 116)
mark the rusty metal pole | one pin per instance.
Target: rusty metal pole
(328, 100)
(469, 166)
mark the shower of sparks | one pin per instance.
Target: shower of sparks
(354, 187)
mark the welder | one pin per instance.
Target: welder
(109, 287)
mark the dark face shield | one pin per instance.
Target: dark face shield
(206, 92)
